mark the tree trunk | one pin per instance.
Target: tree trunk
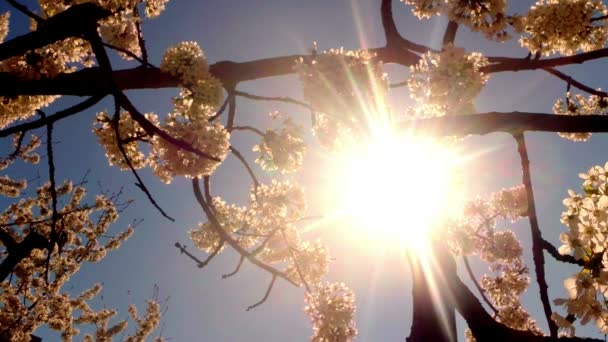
(433, 306)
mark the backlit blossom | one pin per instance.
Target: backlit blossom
(447, 82)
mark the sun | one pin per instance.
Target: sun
(396, 187)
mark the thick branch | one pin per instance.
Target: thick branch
(450, 33)
(22, 250)
(513, 122)
(73, 22)
(388, 22)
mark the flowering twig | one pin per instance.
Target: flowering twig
(217, 227)
(140, 183)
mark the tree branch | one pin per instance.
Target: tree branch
(492, 122)
(75, 109)
(450, 33)
(571, 81)
(547, 246)
(200, 263)
(268, 290)
(22, 250)
(73, 22)
(284, 99)
(226, 236)
(476, 283)
(537, 249)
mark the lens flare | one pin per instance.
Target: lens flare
(395, 187)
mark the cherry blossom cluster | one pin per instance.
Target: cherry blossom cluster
(130, 136)
(169, 160)
(10, 187)
(331, 309)
(121, 28)
(486, 16)
(268, 225)
(446, 83)
(343, 87)
(282, 149)
(188, 122)
(34, 296)
(576, 105)
(476, 233)
(35, 65)
(564, 26)
(586, 217)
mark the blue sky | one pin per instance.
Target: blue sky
(202, 306)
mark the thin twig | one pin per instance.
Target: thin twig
(295, 262)
(476, 283)
(23, 9)
(200, 263)
(249, 128)
(231, 108)
(572, 82)
(140, 183)
(236, 270)
(547, 246)
(284, 99)
(266, 295)
(75, 109)
(246, 164)
(53, 191)
(130, 54)
(222, 109)
(217, 227)
(537, 249)
(140, 37)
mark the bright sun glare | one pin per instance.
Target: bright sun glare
(396, 187)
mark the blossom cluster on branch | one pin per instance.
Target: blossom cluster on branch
(586, 217)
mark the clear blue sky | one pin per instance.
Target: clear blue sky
(202, 306)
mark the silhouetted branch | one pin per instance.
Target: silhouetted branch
(73, 22)
(268, 290)
(537, 248)
(240, 157)
(236, 270)
(450, 33)
(24, 127)
(284, 99)
(249, 128)
(217, 227)
(571, 81)
(23, 9)
(200, 263)
(476, 283)
(140, 183)
(222, 109)
(492, 122)
(547, 246)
